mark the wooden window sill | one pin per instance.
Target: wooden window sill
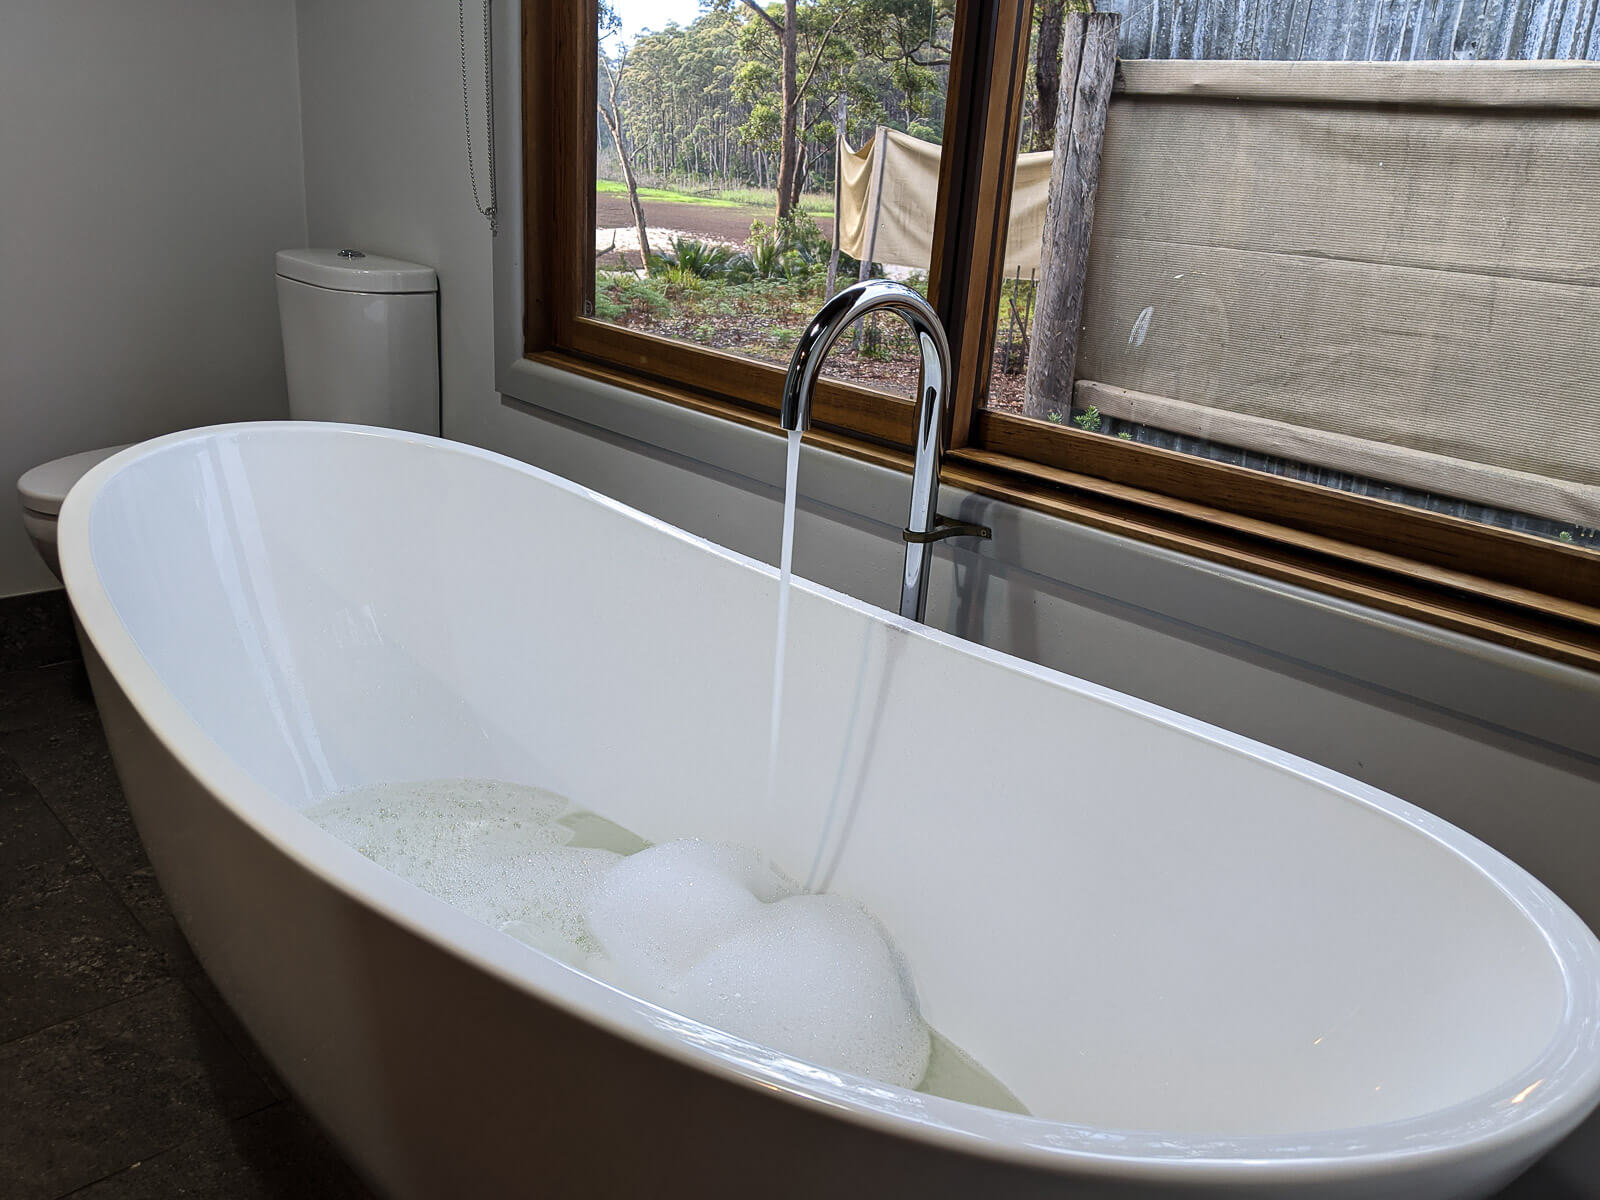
(1554, 628)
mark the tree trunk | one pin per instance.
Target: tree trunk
(1047, 73)
(787, 151)
(613, 120)
(801, 169)
(638, 213)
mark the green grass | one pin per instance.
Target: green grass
(818, 204)
(815, 204)
(610, 187)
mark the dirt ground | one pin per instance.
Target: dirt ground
(708, 222)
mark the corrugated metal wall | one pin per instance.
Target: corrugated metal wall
(1358, 30)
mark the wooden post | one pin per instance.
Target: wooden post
(880, 145)
(1088, 67)
(880, 149)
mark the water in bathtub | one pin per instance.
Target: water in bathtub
(709, 930)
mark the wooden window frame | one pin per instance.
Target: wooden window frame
(1506, 587)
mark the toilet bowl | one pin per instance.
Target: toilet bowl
(42, 491)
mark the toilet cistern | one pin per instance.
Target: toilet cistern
(924, 526)
(360, 338)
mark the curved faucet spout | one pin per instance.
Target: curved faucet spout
(924, 525)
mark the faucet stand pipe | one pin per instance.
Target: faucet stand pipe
(924, 526)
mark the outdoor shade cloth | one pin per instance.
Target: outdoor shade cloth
(889, 191)
(1405, 255)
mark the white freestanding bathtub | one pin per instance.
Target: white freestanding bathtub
(1206, 967)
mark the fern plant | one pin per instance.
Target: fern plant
(691, 259)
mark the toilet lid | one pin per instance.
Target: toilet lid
(45, 487)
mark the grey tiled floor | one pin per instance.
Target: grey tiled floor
(123, 1076)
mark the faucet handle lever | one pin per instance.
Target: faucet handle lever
(946, 527)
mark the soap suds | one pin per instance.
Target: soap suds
(706, 929)
(709, 931)
(496, 851)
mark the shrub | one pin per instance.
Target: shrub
(691, 259)
(798, 232)
(619, 295)
(789, 248)
(766, 258)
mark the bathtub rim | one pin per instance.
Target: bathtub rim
(1431, 1140)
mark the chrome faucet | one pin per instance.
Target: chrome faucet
(925, 525)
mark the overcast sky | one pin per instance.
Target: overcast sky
(653, 14)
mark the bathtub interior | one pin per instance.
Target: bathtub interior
(1132, 924)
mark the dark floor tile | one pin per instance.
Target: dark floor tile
(31, 837)
(1569, 1172)
(70, 765)
(69, 762)
(41, 695)
(67, 943)
(275, 1154)
(36, 629)
(87, 1098)
(69, 948)
(168, 939)
(1541, 1183)
(233, 1029)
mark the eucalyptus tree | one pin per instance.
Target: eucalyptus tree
(707, 100)
(679, 100)
(812, 53)
(614, 69)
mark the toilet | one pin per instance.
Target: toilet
(42, 491)
(360, 345)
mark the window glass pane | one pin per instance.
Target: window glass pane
(1380, 276)
(690, 162)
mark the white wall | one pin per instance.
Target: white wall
(149, 167)
(386, 163)
(1498, 743)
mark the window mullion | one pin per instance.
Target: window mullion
(988, 74)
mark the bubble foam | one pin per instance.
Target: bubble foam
(496, 851)
(706, 929)
(709, 931)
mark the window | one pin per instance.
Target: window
(692, 160)
(1333, 321)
